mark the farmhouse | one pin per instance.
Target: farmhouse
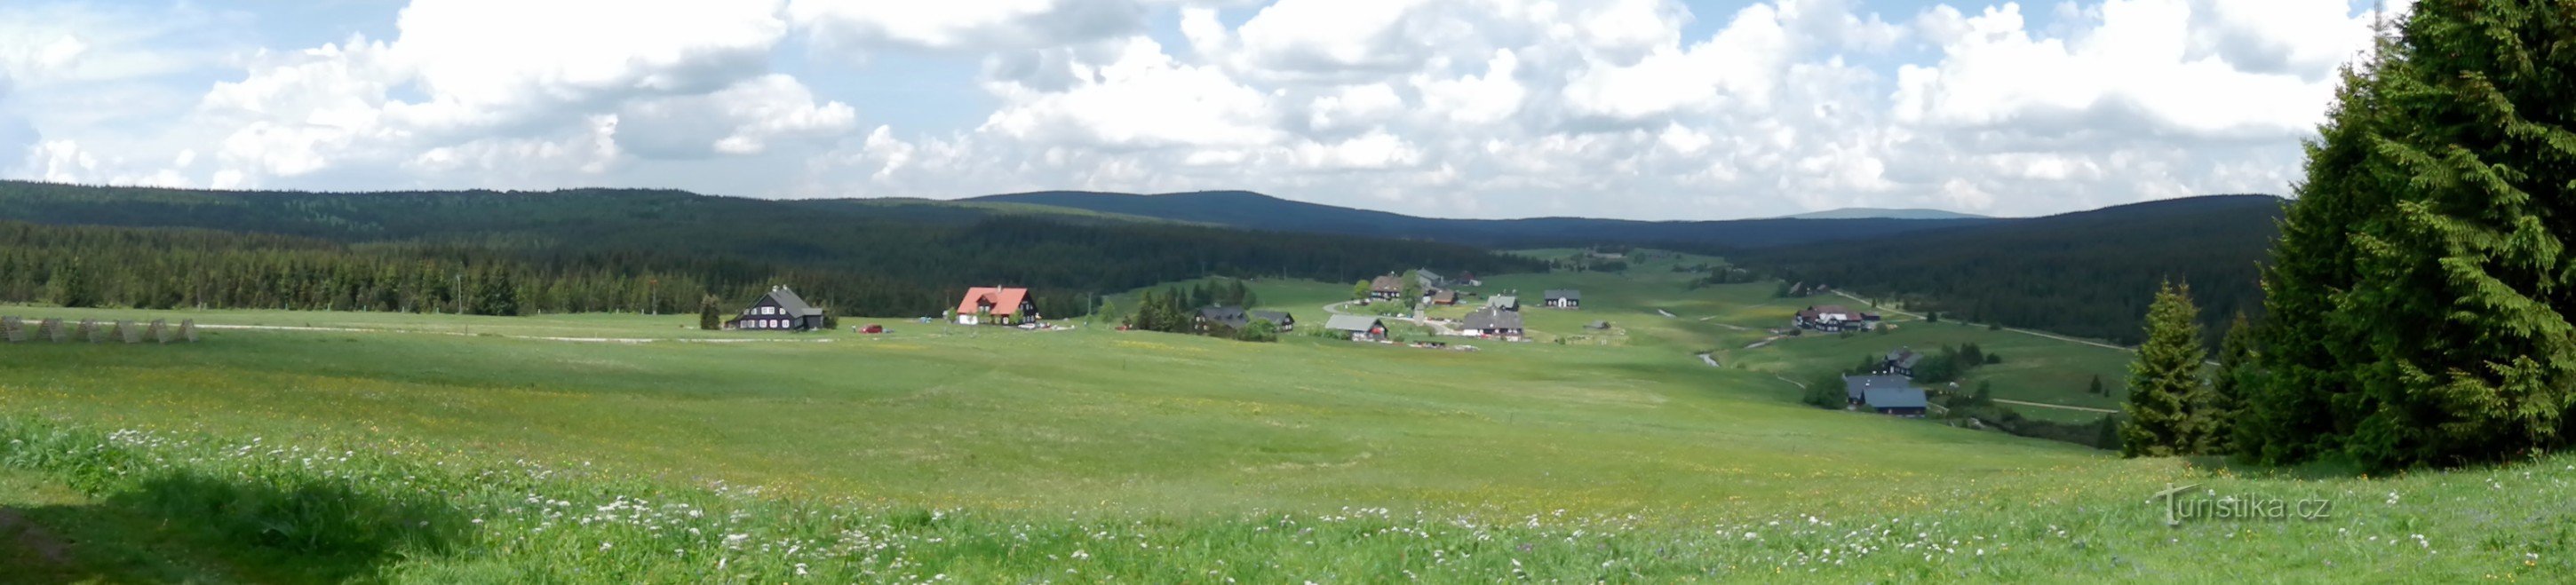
(1503, 303)
(1562, 298)
(1386, 288)
(780, 310)
(1888, 395)
(1285, 321)
(1359, 327)
(1429, 280)
(1901, 361)
(1832, 318)
(996, 305)
(1497, 324)
(1445, 297)
(1904, 402)
(1223, 317)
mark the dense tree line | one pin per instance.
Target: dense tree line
(2088, 274)
(609, 250)
(2419, 301)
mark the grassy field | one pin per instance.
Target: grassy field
(462, 449)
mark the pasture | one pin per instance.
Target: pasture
(476, 449)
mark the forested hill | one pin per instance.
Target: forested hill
(2089, 273)
(1258, 211)
(605, 249)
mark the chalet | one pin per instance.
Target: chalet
(1446, 297)
(1497, 324)
(779, 310)
(1285, 321)
(1359, 327)
(1832, 319)
(1563, 298)
(1901, 362)
(1229, 318)
(1503, 303)
(1386, 288)
(996, 305)
(1468, 279)
(1904, 402)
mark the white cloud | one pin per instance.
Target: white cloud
(1634, 108)
(972, 25)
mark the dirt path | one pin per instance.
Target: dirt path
(1712, 360)
(2057, 406)
(505, 336)
(2021, 331)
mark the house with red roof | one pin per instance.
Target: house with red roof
(994, 305)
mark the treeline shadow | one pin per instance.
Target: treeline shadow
(194, 527)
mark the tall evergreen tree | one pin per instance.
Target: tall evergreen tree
(2227, 387)
(2425, 264)
(2164, 382)
(709, 317)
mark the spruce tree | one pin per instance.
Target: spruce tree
(2300, 400)
(2227, 387)
(2096, 387)
(2436, 335)
(708, 316)
(2164, 382)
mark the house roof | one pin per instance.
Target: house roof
(1229, 316)
(1005, 301)
(1388, 283)
(1820, 311)
(1428, 278)
(792, 304)
(1904, 357)
(1894, 398)
(1446, 296)
(1275, 317)
(1563, 293)
(1856, 386)
(1352, 323)
(1503, 301)
(1489, 318)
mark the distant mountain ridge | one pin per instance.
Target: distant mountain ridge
(1249, 210)
(1884, 213)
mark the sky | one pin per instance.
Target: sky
(1639, 109)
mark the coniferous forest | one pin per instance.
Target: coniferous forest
(605, 250)
(2417, 305)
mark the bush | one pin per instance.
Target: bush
(1261, 330)
(1826, 391)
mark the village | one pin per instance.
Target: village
(1412, 297)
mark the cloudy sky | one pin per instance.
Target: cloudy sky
(1649, 109)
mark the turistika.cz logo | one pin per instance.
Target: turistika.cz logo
(2182, 505)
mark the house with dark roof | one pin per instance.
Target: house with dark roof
(1285, 321)
(1359, 327)
(1832, 319)
(1386, 288)
(1891, 395)
(1496, 324)
(1900, 361)
(1904, 402)
(778, 310)
(1562, 298)
(1228, 318)
(995, 305)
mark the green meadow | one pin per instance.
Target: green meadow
(444, 449)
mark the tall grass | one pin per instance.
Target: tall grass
(402, 513)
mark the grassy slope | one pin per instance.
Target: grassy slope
(1179, 438)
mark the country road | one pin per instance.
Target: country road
(2021, 331)
(2058, 406)
(504, 336)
